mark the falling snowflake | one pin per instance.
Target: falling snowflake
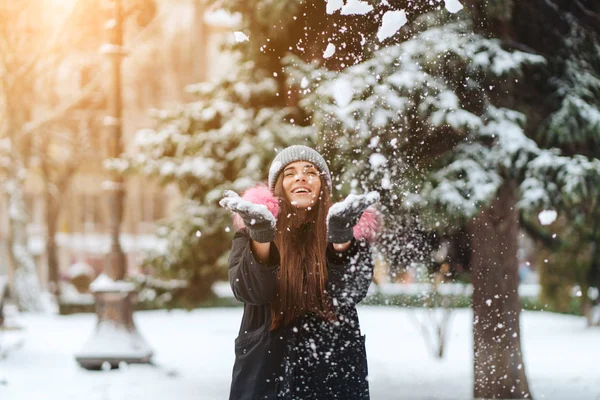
(392, 21)
(304, 83)
(547, 217)
(453, 6)
(354, 7)
(334, 5)
(329, 51)
(240, 37)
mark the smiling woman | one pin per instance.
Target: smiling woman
(301, 184)
(300, 269)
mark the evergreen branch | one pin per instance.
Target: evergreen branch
(513, 44)
(587, 11)
(552, 6)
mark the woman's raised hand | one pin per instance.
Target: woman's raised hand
(343, 216)
(257, 217)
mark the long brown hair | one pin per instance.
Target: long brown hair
(302, 275)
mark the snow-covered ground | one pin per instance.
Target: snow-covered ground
(194, 355)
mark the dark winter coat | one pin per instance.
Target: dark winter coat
(308, 358)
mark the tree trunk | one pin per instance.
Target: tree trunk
(593, 281)
(498, 368)
(27, 288)
(51, 249)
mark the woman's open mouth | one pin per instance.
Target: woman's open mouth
(301, 191)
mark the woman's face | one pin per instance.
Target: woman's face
(301, 184)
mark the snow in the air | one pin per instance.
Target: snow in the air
(547, 217)
(193, 357)
(329, 51)
(453, 6)
(304, 82)
(377, 160)
(334, 5)
(342, 92)
(240, 36)
(392, 21)
(356, 7)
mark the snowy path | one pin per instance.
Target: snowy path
(194, 354)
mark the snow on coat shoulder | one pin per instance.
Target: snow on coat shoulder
(367, 227)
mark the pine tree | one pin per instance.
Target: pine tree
(227, 138)
(447, 105)
(570, 121)
(17, 95)
(431, 87)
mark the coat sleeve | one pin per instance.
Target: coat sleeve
(251, 281)
(350, 273)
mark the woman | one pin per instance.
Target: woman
(300, 266)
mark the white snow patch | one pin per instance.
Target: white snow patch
(377, 160)
(354, 7)
(392, 21)
(240, 37)
(386, 183)
(342, 92)
(329, 51)
(235, 203)
(112, 340)
(222, 18)
(70, 295)
(547, 217)
(194, 354)
(304, 83)
(80, 269)
(103, 283)
(453, 6)
(334, 5)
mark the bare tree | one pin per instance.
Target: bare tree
(31, 109)
(44, 123)
(433, 319)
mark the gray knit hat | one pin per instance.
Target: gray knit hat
(298, 153)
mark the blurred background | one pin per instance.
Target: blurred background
(122, 122)
(56, 85)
